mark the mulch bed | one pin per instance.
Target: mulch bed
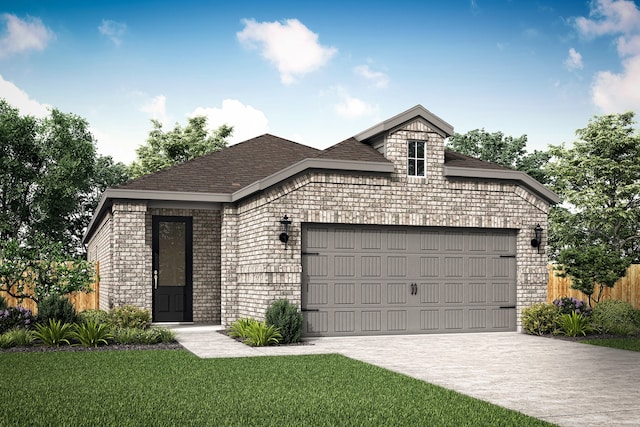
(590, 337)
(44, 349)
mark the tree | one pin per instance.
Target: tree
(44, 167)
(165, 149)
(503, 150)
(596, 231)
(42, 269)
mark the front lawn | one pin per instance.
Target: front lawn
(628, 343)
(173, 387)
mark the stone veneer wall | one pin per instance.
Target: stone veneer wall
(206, 259)
(100, 249)
(265, 271)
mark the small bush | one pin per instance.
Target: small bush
(20, 337)
(3, 303)
(97, 316)
(154, 335)
(91, 334)
(540, 319)
(568, 305)
(54, 333)
(615, 317)
(260, 334)
(240, 327)
(287, 319)
(129, 316)
(15, 317)
(56, 307)
(6, 341)
(574, 324)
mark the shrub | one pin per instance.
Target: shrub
(21, 337)
(240, 327)
(286, 317)
(15, 317)
(540, 319)
(154, 335)
(5, 341)
(91, 333)
(568, 305)
(260, 334)
(129, 316)
(3, 303)
(574, 324)
(615, 317)
(97, 316)
(56, 307)
(54, 333)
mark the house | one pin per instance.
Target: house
(386, 232)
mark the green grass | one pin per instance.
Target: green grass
(173, 387)
(632, 344)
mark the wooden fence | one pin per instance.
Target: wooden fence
(80, 300)
(626, 289)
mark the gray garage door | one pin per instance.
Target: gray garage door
(364, 280)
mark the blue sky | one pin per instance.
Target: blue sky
(320, 72)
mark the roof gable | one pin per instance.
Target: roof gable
(433, 121)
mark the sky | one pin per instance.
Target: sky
(320, 72)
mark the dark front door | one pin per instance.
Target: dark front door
(172, 284)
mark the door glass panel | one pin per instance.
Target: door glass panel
(171, 253)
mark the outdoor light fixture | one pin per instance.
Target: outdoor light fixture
(536, 242)
(284, 236)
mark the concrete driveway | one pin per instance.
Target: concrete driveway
(566, 383)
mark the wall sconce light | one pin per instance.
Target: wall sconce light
(536, 242)
(284, 236)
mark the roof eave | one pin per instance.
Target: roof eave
(412, 113)
(505, 175)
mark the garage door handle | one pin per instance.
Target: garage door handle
(414, 289)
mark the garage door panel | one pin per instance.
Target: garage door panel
(377, 280)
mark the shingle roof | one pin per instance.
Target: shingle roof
(227, 170)
(455, 159)
(352, 149)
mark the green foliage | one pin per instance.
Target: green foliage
(615, 317)
(287, 319)
(91, 333)
(574, 324)
(153, 335)
(15, 317)
(540, 319)
(239, 328)
(20, 337)
(248, 391)
(42, 269)
(596, 230)
(57, 308)
(165, 149)
(3, 303)
(93, 315)
(260, 334)
(500, 149)
(129, 316)
(54, 333)
(6, 341)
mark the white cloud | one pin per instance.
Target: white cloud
(609, 17)
(574, 60)
(377, 78)
(350, 107)
(290, 46)
(156, 107)
(115, 31)
(23, 35)
(247, 122)
(19, 99)
(616, 92)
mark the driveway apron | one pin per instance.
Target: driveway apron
(563, 382)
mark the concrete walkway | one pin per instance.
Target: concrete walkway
(566, 383)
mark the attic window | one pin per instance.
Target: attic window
(415, 158)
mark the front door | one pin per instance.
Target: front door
(172, 261)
